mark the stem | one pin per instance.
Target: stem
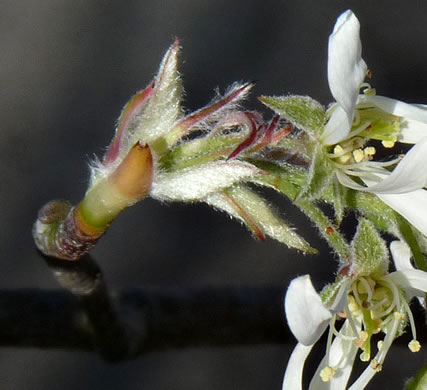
(326, 228)
(68, 233)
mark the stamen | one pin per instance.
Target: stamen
(327, 373)
(369, 151)
(379, 304)
(399, 316)
(370, 165)
(330, 333)
(356, 294)
(363, 336)
(411, 319)
(376, 365)
(358, 155)
(368, 288)
(361, 128)
(380, 344)
(395, 295)
(414, 346)
(350, 320)
(388, 340)
(388, 144)
(365, 356)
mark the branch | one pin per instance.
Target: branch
(152, 320)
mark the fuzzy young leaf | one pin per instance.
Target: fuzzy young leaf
(369, 252)
(243, 204)
(302, 111)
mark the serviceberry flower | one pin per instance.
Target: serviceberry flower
(344, 139)
(368, 299)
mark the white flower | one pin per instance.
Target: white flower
(369, 304)
(356, 118)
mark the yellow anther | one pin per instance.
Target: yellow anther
(338, 149)
(399, 316)
(327, 373)
(376, 365)
(380, 345)
(358, 155)
(388, 144)
(363, 336)
(365, 356)
(377, 326)
(414, 346)
(341, 156)
(369, 151)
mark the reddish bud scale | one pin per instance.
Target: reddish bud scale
(131, 109)
(183, 127)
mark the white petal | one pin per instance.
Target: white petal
(412, 131)
(414, 279)
(346, 181)
(409, 175)
(294, 369)
(401, 255)
(307, 316)
(340, 299)
(346, 68)
(396, 107)
(338, 126)
(196, 183)
(342, 355)
(411, 206)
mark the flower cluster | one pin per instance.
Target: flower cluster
(312, 155)
(342, 135)
(343, 140)
(369, 300)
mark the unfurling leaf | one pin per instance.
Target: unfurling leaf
(242, 203)
(302, 111)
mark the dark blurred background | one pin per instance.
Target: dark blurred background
(66, 69)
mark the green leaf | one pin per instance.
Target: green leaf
(419, 382)
(302, 111)
(242, 203)
(369, 252)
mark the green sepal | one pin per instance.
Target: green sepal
(329, 292)
(302, 111)
(320, 175)
(387, 220)
(289, 184)
(419, 381)
(369, 251)
(340, 195)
